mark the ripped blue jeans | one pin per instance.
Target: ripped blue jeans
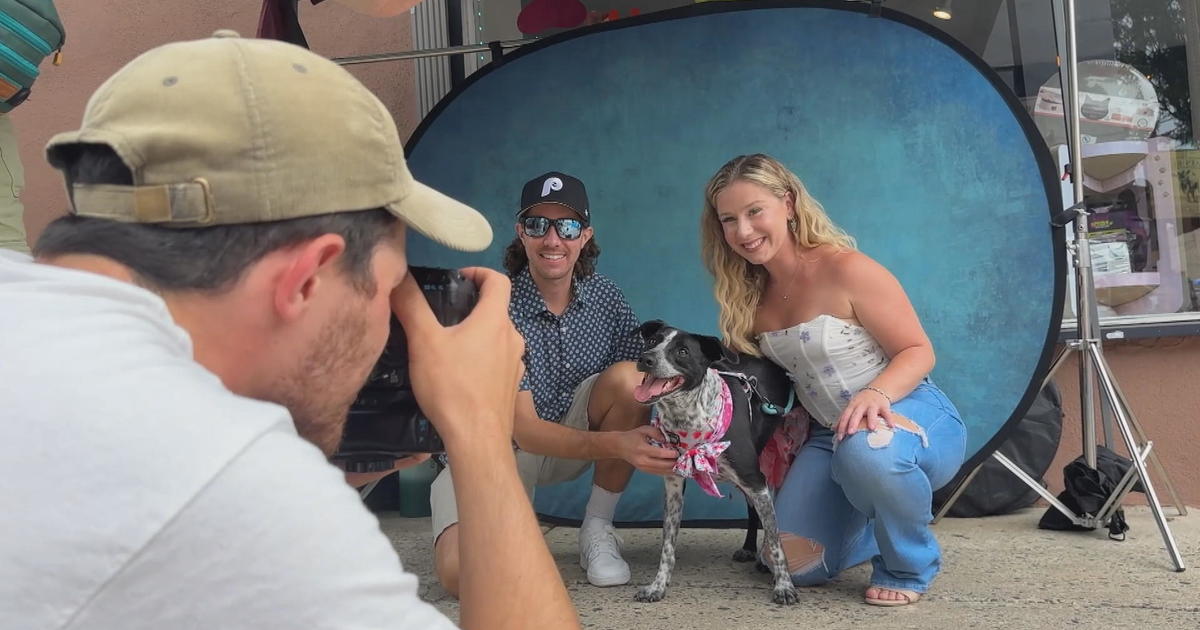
(869, 498)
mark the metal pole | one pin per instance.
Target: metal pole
(1085, 310)
(454, 37)
(431, 52)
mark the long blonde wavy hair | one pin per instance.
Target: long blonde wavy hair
(738, 284)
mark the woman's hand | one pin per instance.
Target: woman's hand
(867, 405)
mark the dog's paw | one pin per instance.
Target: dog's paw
(785, 594)
(743, 555)
(761, 568)
(650, 594)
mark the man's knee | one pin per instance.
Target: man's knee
(612, 405)
(619, 380)
(445, 559)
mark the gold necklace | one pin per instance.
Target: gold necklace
(792, 281)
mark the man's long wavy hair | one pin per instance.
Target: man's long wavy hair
(738, 285)
(515, 258)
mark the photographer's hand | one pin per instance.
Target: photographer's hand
(465, 378)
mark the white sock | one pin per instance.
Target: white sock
(602, 505)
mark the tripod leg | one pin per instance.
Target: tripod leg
(1109, 389)
(1124, 487)
(1037, 487)
(954, 497)
(1060, 356)
(365, 490)
(1087, 406)
(1158, 467)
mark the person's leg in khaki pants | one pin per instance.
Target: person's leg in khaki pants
(12, 182)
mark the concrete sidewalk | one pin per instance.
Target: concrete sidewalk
(1000, 572)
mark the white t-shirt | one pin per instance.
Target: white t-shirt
(136, 491)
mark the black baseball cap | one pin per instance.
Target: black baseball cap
(559, 188)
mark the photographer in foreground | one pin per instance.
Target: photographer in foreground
(225, 282)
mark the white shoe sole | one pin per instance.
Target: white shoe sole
(612, 581)
(616, 580)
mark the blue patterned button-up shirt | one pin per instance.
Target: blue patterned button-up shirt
(596, 330)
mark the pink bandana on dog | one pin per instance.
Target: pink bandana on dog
(698, 450)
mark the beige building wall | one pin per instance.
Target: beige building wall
(102, 35)
(1161, 380)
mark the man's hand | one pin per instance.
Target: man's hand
(465, 376)
(634, 447)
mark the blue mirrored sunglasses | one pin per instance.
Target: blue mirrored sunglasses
(568, 229)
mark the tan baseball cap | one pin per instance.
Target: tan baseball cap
(231, 130)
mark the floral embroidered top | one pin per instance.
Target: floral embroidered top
(828, 360)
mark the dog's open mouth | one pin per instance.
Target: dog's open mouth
(653, 388)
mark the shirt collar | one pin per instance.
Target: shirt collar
(523, 284)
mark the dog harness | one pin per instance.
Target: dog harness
(698, 450)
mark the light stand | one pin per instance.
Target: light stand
(1093, 368)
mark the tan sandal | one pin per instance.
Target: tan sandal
(910, 597)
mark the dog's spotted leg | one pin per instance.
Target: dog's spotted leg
(672, 514)
(785, 591)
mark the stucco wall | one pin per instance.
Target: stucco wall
(102, 35)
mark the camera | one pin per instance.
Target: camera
(385, 422)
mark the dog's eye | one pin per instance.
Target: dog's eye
(682, 352)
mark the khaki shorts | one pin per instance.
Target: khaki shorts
(535, 470)
(12, 182)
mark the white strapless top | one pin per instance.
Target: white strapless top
(828, 359)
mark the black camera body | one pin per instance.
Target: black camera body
(385, 423)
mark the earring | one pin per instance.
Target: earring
(792, 224)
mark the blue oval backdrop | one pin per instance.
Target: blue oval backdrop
(908, 139)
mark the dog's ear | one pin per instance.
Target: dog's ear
(650, 328)
(712, 348)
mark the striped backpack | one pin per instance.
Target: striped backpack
(30, 30)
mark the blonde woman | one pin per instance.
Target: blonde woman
(792, 287)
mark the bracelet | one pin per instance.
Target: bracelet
(880, 392)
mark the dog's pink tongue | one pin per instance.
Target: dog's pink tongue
(650, 388)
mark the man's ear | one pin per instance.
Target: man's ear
(712, 348)
(650, 328)
(305, 267)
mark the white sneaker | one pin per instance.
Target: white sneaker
(600, 554)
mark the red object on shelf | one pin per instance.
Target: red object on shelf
(541, 15)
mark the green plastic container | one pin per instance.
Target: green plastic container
(414, 486)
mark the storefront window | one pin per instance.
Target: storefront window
(1140, 159)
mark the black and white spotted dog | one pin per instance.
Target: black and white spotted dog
(683, 374)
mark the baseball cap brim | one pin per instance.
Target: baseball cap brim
(443, 219)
